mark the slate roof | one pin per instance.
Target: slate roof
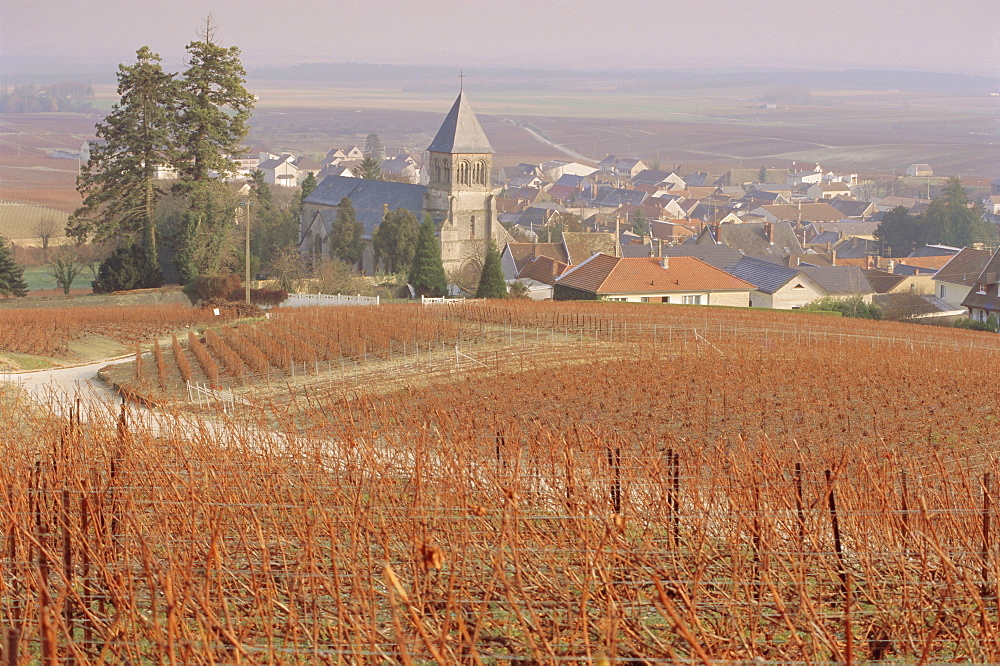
(581, 245)
(964, 268)
(719, 256)
(650, 177)
(857, 248)
(460, 132)
(934, 251)
(614, 196)
(603, 274)
(522, 253)
(853, 208)
(572, 180)
(369, 198)
(839, 280)
(883, 282)
(807, 212)
(765, 276)
(751, 238)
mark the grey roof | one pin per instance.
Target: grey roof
(751, 238)
(850, 208)
(719, 256)
(935, 251)
(765, 276)
(369, 198)
(650, 177)
(839, 280)
(571, 180)
(614, 196)
(965, 267)
(460, 132)
(831, 237)
(883, 282)
(857, 248)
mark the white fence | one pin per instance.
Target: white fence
(297, 300)
(206, 395)
(424, 300)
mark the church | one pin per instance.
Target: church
(459, 197)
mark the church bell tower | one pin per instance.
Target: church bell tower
(459, 191)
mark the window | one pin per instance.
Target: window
(941, 288)
(692, 300)
(666, 299)
(644, 299)
(797, 286)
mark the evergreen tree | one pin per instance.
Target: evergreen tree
(491, 282)
(762, 175)
(950, 220)
(370, 169)
(308, 185)
(395, 240)
(640, 225)
(374, 147)
(899, 232)
(427, 272)
(119, 184)
(213, 109)
(11, 275)
(346, 242)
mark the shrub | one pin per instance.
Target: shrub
(852, 306)
(975, 325)
(128, 268)
(208, 288)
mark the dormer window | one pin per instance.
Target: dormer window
(982, 289)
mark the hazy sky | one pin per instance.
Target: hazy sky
(952, 36)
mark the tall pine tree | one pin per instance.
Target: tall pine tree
(214, 107)
(11, 275)
(491, 282)
(427, 272)
(119, 183)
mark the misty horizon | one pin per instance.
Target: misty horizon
(92, 37)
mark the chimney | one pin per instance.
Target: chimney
(833, 257)
(659, 246)
(892, 266)
(665, 262)
(769, 232)
(717, 232)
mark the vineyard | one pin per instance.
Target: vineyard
(49, 331)
(578, 483)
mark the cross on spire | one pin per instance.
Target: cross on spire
(461, 81)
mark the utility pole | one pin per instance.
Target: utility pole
(246, 222)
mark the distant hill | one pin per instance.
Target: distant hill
(506, 78)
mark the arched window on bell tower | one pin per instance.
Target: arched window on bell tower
(437, 171)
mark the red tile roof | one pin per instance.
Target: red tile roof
(543, 269)
(604, 274)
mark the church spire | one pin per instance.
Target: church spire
(460, 132)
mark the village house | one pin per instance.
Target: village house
(682, 280)
(402, 168)
(776, 286)
(984, 297)
(954, 281)
(825, 191)
(919, 170)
